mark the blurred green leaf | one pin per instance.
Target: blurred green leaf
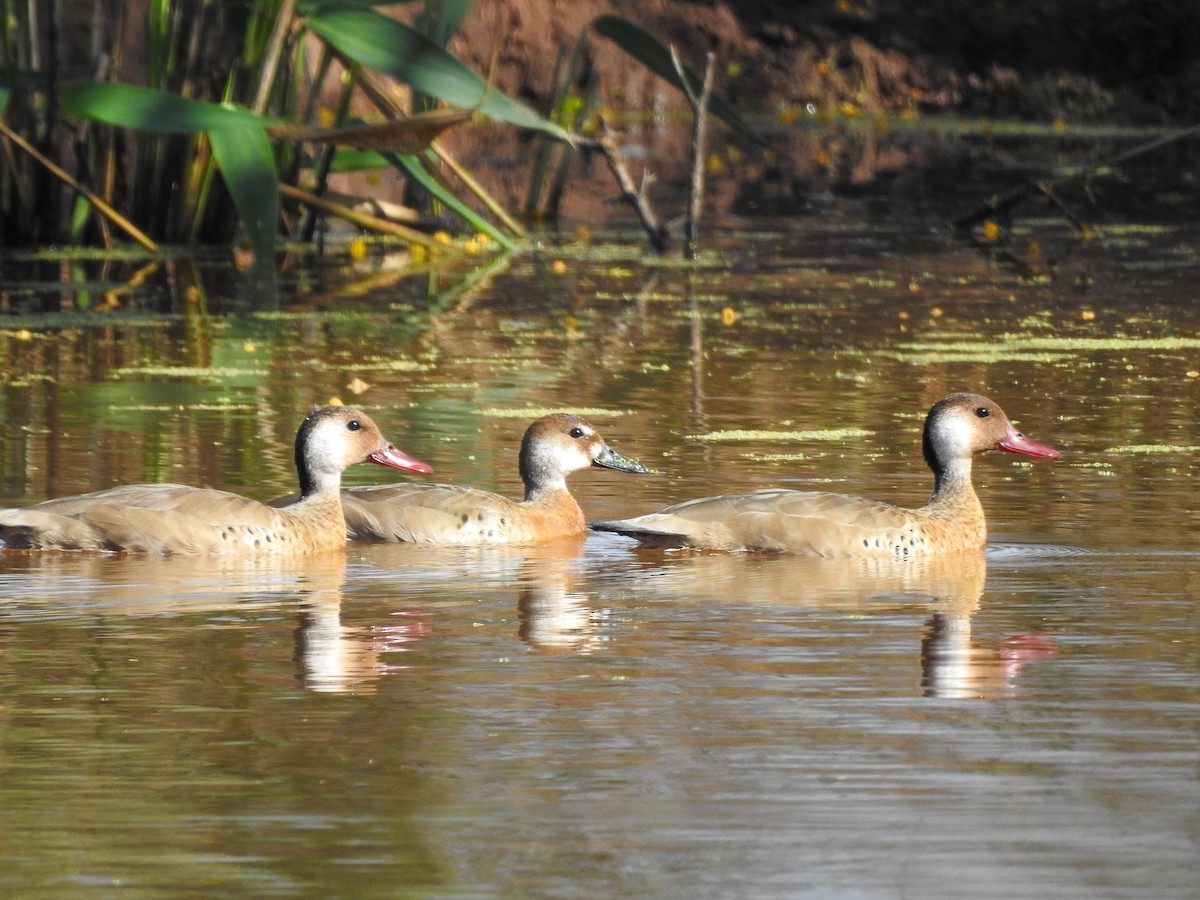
(127, 106)
(647, 50)
(442, 21)
(248, 167)
(238, 138)
(313, 7)
(393, 48)
(346, 159)
(416, 170)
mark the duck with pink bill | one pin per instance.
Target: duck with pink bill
(819, 523)
(176, 518)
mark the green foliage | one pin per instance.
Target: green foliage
(391, 47)
(145, 109)
(225, 116)
(152, 148)
(650, 52)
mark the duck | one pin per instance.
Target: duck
(553, 447)
(180, 519)
(824, 524)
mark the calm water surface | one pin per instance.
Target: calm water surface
(583, 720)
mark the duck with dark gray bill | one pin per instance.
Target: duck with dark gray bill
(176, 518)
(818, 523)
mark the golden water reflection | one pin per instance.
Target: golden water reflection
(329, 656)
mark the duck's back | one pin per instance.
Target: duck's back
(809, 523)
(169, 518)
(453, 514)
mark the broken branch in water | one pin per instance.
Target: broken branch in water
(658, 233)
(1001, 204)
(699, 104)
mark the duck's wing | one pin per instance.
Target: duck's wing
(815, 523)
(164, 519)
(429, 514)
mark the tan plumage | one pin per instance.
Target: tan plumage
(553, 447)
(825, 524)
(176, 518)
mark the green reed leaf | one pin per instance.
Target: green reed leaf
(651, 53)
(248, 167)
(145, 109)
(393, 48)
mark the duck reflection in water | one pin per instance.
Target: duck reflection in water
(334, 658)
(951, 586)
(555, 612)
(557, 617)
(956, 668)
(236, 592)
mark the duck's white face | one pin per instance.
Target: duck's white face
(334, 438)
(962, 425)
(558, 444)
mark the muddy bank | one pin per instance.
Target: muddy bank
(828, 83)
(1110, 60)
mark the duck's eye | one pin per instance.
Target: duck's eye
(576, 432)
(983, 412)
(354, 425)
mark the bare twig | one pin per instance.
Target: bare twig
(363, 220)
(699, 104)
(658, 233)
(98, 202)
(283, 23)
(1002, 203)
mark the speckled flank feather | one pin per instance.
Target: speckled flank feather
(175, 518)
(835, 525)
(553, 447)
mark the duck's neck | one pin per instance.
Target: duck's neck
(952, 482)
(542, 480)
(315, 485)
(553, 506)
(546, 491)
(955, 503)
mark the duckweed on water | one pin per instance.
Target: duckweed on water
(534, 412)
(1156, 448)
(1110, 343)
(182, 407)
(381, 365)
(783, 457)
(188, 372)
(1025, 348)
(819, 434)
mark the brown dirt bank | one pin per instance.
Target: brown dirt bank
(1081, 60)
(849, 66)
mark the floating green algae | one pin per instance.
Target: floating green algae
(1027, 348)
(534, 412)
(189, 372)
(380, 365)
(1156, 448)
(1110, 343)
(189, 407)
(818, 434)
(783, 457)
